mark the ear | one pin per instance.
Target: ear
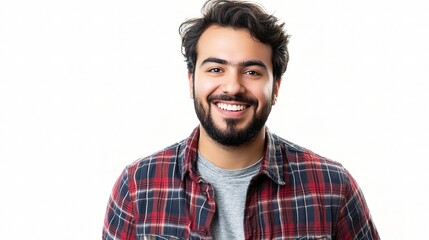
(276, 90)
(191, 85)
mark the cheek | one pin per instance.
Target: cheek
(204, 88)
(263, 93)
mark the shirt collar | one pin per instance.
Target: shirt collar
(273, 164)
(188, 155)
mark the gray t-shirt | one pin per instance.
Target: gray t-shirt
(230, 196)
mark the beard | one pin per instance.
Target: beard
(231, 136)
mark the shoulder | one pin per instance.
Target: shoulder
(301, 161)
(156, 163)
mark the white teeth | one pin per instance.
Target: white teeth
(231, 107)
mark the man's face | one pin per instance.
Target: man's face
(232, 85)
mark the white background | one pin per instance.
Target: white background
(87, 87)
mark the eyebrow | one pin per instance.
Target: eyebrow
(242, 64)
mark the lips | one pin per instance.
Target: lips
(229, 103)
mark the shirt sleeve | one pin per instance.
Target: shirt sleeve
(119, 220)
(355, 221)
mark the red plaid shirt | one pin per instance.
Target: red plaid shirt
(296, 195)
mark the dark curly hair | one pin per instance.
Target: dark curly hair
(237, 14)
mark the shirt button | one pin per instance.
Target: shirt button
(203, 231)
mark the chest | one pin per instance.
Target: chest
(186, 211)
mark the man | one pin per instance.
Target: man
(233, 178)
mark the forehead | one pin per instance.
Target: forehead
(233, 45)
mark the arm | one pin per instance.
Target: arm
(119, 220)
(354, 221)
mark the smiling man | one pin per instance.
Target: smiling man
(232, 178)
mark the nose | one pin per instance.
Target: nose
(232, 84)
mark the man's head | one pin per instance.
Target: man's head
(236, 55)
(237, 14)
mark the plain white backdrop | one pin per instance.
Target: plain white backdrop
(87, 87)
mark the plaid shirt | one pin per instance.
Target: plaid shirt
(296, 195)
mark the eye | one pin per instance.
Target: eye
(215, 70)
(251, 72)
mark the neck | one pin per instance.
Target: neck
(231, 157)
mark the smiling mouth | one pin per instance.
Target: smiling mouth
(231, 107)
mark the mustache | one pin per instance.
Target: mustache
(237, 98)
